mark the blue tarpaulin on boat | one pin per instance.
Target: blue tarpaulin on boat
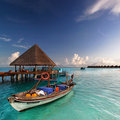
(62, 87)
(48, 90)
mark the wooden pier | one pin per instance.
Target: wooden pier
(16, 76)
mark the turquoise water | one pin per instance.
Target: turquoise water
(95, 97)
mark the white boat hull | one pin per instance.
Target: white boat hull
(23, 105)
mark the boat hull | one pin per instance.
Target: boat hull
(21, 105)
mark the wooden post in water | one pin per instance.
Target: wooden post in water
(17, 77)
(29, 76)
(22, 76)
(3, 78)
(35, 70)
(26, 76)
(12, 78)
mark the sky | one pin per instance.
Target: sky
(70, 32)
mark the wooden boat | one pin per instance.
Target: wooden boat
(21, 102)
(82, 68)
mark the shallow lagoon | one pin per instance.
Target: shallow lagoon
(95, 97)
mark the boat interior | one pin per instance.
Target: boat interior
(44, 91)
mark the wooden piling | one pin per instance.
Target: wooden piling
(12, 78)
(22, 76)
(3, 78)
(17, 77)
(29, 76)
(26, 76)
(35, 69)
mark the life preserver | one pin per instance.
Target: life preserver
(45, 78)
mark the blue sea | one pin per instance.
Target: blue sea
(96, 96)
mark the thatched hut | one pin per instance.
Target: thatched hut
(33, 57)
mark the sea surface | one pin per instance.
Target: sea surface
(96, 96)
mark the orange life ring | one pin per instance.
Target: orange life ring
(45, 78)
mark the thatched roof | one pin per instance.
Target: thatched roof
(33, 56)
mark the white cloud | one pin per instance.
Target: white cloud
(20, 40)
(112, 5)
(100, 5)
(5, 39)
(13, 56)
(5, 61)
(66, 61)
(77, 60)
(86, 58)
(85, 61)
(20, 46)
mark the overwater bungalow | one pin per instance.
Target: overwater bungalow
(32, 57)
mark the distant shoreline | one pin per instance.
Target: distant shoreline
(112, 66)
